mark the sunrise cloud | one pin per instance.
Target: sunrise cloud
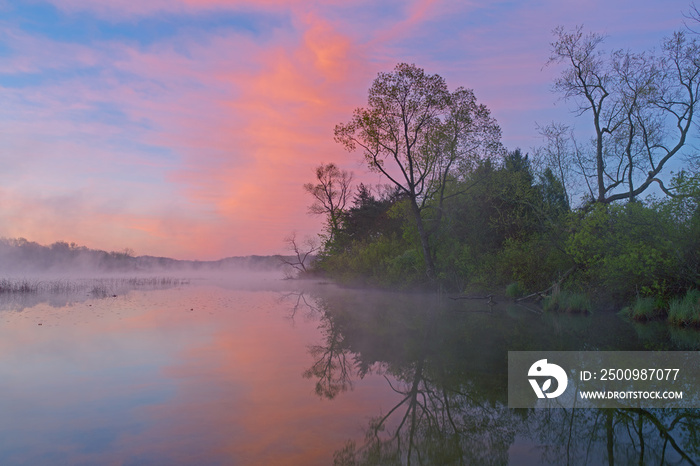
(188, 128)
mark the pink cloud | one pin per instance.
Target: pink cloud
(127, 8)
(206, 142)
(247, 123)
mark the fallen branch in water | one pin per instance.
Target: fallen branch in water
(490, 301)
(471, 311)
(534, 311)
(490, 297)
(556, 284)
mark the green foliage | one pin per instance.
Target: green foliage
(565, 301)
(685, 206)
(419, 135)
(683, 214)
(532, 262)
(514, 290)
(624, 249)
(502, 228)
(498, 224)
(464, 215)
(554, 200)
(368, 218)
(366, 262)
(685, 311)
(642, 309)
(388, 256)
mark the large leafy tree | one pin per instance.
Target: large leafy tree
(420, 136)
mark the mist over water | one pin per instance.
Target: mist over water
(62, 273)
(22, 256)
(231, 363)
(196, 374)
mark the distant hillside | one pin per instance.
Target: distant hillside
(260, 263)
(19, 256)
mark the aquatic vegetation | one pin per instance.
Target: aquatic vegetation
(641, 309)
(17, 286)
(685, 311)
(97, 287)
(565, 301)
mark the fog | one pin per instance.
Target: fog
(21, 256)
(63, 273)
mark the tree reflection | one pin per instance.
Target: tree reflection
(435, 427)
(615, 436)
(299, 302)
(436, 421)
(332, 367)
(450, 373)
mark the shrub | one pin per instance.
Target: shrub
(534, 263)
(622, 248)
(514, 290)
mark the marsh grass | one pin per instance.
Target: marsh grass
(97, 287)
(8, 285)
(565, 301)
(685, 311)
(642, 309)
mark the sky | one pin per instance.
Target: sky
(187, 128)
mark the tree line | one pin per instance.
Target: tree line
(19, 256)
(461, 212)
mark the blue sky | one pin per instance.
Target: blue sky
(187, 128)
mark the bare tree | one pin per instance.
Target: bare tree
(331, 193)
(560, 154)
(302, 252)
(642, 107)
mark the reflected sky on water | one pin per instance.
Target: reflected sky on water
(211, 374)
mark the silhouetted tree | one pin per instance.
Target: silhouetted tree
(418, 134)
(331, 192)
(642, 108)
(302, 252)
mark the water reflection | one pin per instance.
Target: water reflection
(195, 375)
(205, 374)
(448, 363)
(17, 294)
(616, 436)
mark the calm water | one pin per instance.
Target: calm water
(294, 373)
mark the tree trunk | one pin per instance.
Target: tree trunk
(427, 252)
(600, 161)
(610, 438)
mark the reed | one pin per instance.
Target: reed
(685, 311)
(642, 309)
(8, 285)
(98, 287)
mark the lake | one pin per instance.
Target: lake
(267, 371)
